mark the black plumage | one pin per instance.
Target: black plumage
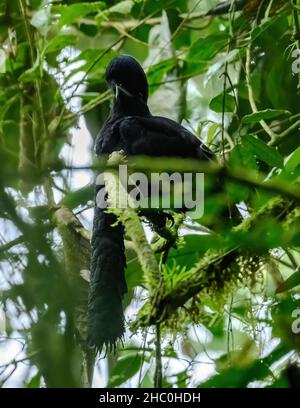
(130, 127)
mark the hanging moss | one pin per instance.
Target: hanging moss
(219, 268)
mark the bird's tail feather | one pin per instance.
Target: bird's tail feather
(107, 284)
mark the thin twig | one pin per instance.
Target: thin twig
(253, 105)
(158, 367)
(12, 243)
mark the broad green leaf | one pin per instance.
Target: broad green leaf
(5, 107)
(123, 7)
(242, 156)
(70, 14)
(282, 382)
(35, 381)
(133, 273)
(92, 61)
(206, 48)
(60, 42)
(211, 132)
(263, 152)
(35, 3)
(290, 283)
(41, 20)
(191, 248)
(32, 73)
(216, 104)
(147, 381)
(3, 58)
(264, 115)
(240, 377)
(202, 51)
(125, 368)
(158, 71)
(90, 30)
(79, 197)
(285, 321)
(219, 64)
(292, 161)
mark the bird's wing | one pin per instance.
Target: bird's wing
(108, 139)
(157, 136)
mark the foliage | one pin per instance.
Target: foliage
(227, 300)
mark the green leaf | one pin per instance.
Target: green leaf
(60, 42)
(125, 368)
(202, 51)
(263, 152)
(123, 7)
(41, 20)
(5, 108)
(216, 104)
(292, 161)
(220, 62)
(290, 283)
(133, 273)
(3, 58)
(32, 73)
(206, 48)
(191, 248)
(147, 381)
(240, 377)
(211, 132)
(158, 71)
(263, 115)
(70, 14)
(35, 381)
(79, 197)
(92, 61)
(88, 29)
(242, 156)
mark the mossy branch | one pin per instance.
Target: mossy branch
(133, 227)
(237, 174)
(218, 266)
(76, 246)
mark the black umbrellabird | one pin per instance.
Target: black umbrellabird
(130, 127)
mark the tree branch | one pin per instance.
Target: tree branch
(130, 219)
(76, 247)
(150, 165)
(12, 243)
(217, 266)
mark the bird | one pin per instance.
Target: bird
(132, 128)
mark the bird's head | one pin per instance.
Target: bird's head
(126, 76)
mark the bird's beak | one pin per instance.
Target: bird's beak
(119, 88)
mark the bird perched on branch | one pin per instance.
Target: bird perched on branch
(130, 127)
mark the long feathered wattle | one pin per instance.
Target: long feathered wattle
(107, 282)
